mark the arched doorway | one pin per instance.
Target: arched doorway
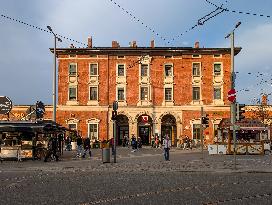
(145, 128)
(122, 128)
(169, 127)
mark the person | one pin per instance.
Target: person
(139, 142)
(68, 141)
(167, 144)
(79, 146)
(133, 143)
(87, 147)
(52, 149)
(157, 142)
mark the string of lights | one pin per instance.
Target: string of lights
(239, 12)
(41, 29)
(140, 21)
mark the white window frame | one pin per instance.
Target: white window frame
(172, 69)
(193, 93)
(117, 68)
(220, 56)
(193, 131)
(96, 68)
(196, 56)
(148, 70)
(69, 93)
(171, 100)
(69, 69)
(199, 63)
(97, 127)
(217, 87)
(221, 73)
(93, 86)
(124, 88)
(72, 123)
(144, 86)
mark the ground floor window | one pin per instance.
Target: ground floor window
(72, 126)
(93, 131)
(196, 131)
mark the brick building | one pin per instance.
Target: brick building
(160, 90)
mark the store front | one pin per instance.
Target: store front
(122, 128)
(145, 129)
(169, 127)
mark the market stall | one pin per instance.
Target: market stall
(252, 137)
(28, 140)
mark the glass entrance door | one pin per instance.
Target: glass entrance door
(123, 130)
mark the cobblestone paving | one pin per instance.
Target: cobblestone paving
(141, 177)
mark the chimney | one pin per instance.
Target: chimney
(196, 44)
(115, 44)
(90, 42)
(152, 43)
(134, 44)
(264, 99)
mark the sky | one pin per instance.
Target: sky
(26, 64)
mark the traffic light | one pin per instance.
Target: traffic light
(240, 111)
(114, 115)
(40, 109)
(205, 120)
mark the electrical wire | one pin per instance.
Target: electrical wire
(41, 29)
(239, 12)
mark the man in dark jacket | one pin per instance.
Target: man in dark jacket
(52, 149)
(87, 147)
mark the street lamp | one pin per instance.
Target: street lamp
(54, 73)
(233, 107)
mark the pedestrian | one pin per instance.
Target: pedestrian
(79, 146)
(87, 147)
(133, 143)
(52, 149)
(167, 144)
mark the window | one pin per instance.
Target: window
(93, 70)
(144, 93)
(72, 55)
(72, 126)
(215, 131)
(196, 131)
(196, 69)
(93, 131)
(121, 70)
(217, 55)
(72, 93)
(120, 57)
(168, 56)
(217, 93)
(168, 70)
(72, 69)
(196, 56)
(217, 68)
(93, 56)
(144, 70)
(93, 93)
(196, 93)
(121, 94)
(168, 94)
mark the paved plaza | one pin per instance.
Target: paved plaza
(141, 177)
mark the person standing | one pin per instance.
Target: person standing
(167, 145)
(79, 146)
(87, 147)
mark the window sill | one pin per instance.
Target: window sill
(72, 102)
(93, 102)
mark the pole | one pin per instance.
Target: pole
(114, 140)
(233, 107)
(201, 132)
(54, 79)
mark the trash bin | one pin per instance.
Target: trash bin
(106, 155)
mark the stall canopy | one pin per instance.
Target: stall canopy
(246, 124)
(45, 126)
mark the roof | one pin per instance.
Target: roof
(144, 50)
(28, 126)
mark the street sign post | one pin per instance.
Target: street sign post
(232, 95)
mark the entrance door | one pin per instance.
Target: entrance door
(144, 134)
(123, 130)
(166, 130)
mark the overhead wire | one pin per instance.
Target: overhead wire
(41, 29)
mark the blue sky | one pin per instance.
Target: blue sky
(26, 63)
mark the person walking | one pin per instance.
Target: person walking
(167, 145)
(87, 147)
(52, 149)
(79, 146)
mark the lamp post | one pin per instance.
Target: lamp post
(54, 73)
(233, 104)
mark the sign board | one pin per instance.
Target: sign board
(5, 105)
(144, 118)
(232, 95)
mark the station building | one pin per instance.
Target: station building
(160, 90)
